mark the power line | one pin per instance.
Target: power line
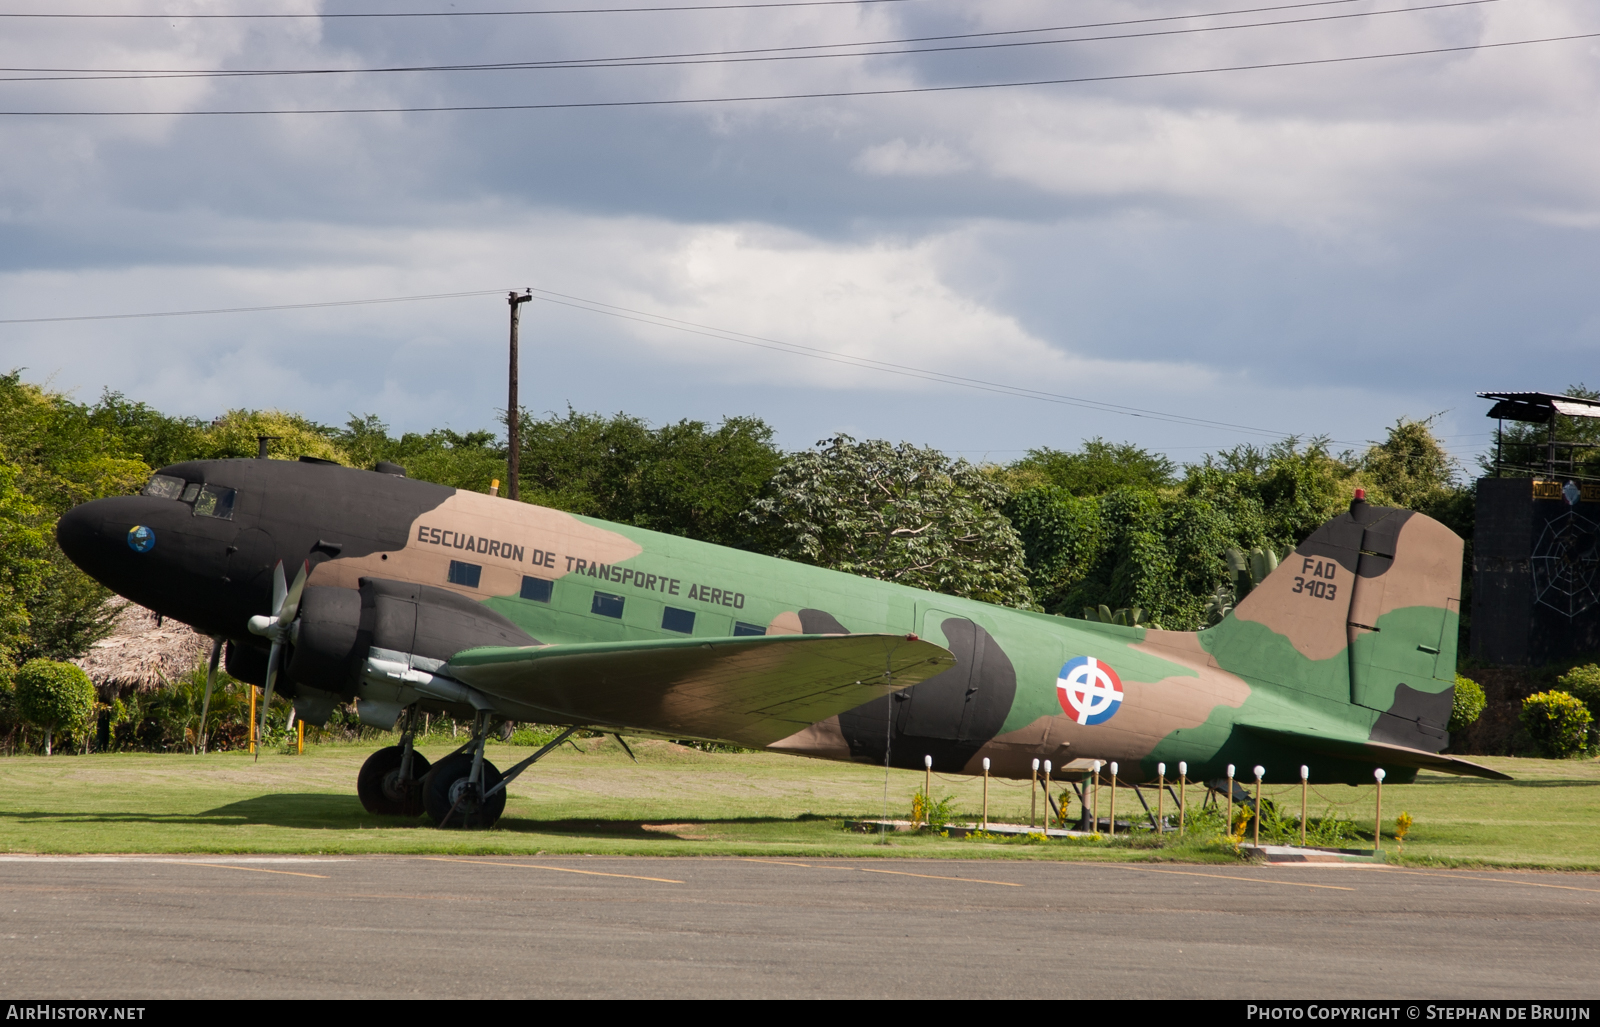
(826, 95)
(723, 334)
(453, 14)
(251, 310)
(807, 51)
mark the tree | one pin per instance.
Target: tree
(1466, 704)
(896, 513)
(1097, 468)
(1409, 468)
(1558, 723)
(54, 696)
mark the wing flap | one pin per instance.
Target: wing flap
(1378, 752)
(748, 690)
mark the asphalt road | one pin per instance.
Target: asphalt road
(486, 926)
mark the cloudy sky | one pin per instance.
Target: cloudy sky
(1314, 248)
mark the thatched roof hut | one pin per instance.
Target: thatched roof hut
(141, 654)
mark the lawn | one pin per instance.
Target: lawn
(678, 801)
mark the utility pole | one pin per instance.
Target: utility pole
(513, 430)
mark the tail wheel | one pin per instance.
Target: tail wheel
(382, 790)
(453, 801)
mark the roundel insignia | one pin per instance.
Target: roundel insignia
(1089, 690)
(141, 539)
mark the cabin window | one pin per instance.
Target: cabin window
(214, 501)
(537, 589)
(606, 605)
(163, 486)
(467, 574)
(741, 628)
(674, 619)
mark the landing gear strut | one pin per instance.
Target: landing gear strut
(463, 789)
(391, 780)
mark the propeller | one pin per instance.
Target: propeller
(285, 604)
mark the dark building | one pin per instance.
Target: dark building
(1536, 544)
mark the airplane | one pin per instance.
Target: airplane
(412, 598)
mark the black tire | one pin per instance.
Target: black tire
(452, 803)
(381, 789)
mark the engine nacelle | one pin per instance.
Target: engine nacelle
(337, 629)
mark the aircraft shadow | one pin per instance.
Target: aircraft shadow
(323, 811)
(1559, 782)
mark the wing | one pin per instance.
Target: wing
(1380, 753)
(750, 691)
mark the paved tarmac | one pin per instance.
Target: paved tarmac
(486, 926)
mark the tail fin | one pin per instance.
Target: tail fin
(1381, 587)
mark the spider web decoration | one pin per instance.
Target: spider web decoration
(1566, 564)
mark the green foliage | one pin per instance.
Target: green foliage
(1558, 723)
(1410, 468)
(897, 513)
(1467, 704)
(1583, 684)
(1130, 617)
(54, 696)
(688, 478)
(1159, 553)
(1097, 468)
(933, 814)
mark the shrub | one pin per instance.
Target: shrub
(54, 696)
(1558, 723)
(1467, 705)
(1583, 684)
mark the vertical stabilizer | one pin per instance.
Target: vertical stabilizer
(1378, 588)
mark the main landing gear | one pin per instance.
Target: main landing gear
(463, 790)
(390, 781)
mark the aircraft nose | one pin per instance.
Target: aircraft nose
(109, 538)
(80, 531)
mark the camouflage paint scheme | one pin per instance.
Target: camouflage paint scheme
(1343, 659)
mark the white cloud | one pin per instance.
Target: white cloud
(920, 159)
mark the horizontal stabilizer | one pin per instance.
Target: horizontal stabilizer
(1379, 753)
(750, 690)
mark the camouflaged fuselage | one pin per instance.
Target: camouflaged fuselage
(1351, 641)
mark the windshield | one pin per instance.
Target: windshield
(164, 486)
(214, 501)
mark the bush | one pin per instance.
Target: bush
(54, 696)
(1558, 723)
(1583, 684)
(1468, 704)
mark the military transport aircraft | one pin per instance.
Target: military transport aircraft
(409, 597)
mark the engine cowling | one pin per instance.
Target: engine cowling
(338, 627)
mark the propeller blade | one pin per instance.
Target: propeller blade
(291, 602)
(211, 683)
(279, 588)
(266, 699)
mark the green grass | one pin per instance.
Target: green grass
(678, 801)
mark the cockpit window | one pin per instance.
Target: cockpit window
(163, 486)
(190, 491)
(214, 501)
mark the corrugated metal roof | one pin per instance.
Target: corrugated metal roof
(1537, 406)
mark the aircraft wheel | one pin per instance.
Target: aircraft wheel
(381, 789)
(453, 803)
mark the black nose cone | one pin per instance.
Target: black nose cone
(79, 532)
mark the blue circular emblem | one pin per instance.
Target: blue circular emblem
(1090, 692)
(141, 539)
